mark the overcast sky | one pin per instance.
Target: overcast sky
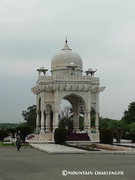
(102, 32)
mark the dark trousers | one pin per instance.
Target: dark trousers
(118, 139)
(18, 144)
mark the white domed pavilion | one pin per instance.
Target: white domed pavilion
(66, 82)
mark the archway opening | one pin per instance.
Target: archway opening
(71, 114)
(66, 115)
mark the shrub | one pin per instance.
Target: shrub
(132, 136)
(60, 135)
(12, 132)
(106, 136)
(25, 130)
(132, 131)
(3, 134)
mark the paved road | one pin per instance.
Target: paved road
(32, 164)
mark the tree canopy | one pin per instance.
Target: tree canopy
(29, 116)
(129, 115)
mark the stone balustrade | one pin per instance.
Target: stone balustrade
(60, 79)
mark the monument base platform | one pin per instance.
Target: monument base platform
(43, 138)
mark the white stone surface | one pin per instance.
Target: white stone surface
(64, 58)
(60, 149)
(57, 149)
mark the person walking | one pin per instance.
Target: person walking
(118, 133)
(18, 140)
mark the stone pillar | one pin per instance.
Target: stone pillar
(42, 123)
(76, 121)
(76, 113)
(96, 135)
(56, 110)
(48, 121)
(55, 119)
(97, 113)
(42, 114)
(89, 120)
(85, 119)
(37, 120)
(38, 114)
(97, 121)
(88, 112)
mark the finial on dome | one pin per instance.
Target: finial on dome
(66, 40)
(66, 47)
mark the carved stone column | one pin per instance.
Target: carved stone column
(38, 114)
(37, 119)
(42, 123)
(89, 110)
(55, 119)
(48, 121)
(85, 119)
(89, 120)
(42, 114)
(76, 121)
(56, 110)
(97, 112)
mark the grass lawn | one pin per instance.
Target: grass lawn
(6, 145)
(12, 145)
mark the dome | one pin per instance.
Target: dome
(65, 57)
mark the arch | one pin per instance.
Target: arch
(69, 98)
(79, 105)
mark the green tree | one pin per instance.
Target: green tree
(132, 131)
(124, 126)
(3, 134)
(25, 130)
(8, 125)
(30, 116)
(132, 127)
(106, 123)
(65, 116)
(129, 115)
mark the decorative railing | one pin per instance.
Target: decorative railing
(61, 78)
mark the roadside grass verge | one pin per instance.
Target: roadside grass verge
(12, 145)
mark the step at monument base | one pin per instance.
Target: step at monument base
(43, 138)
